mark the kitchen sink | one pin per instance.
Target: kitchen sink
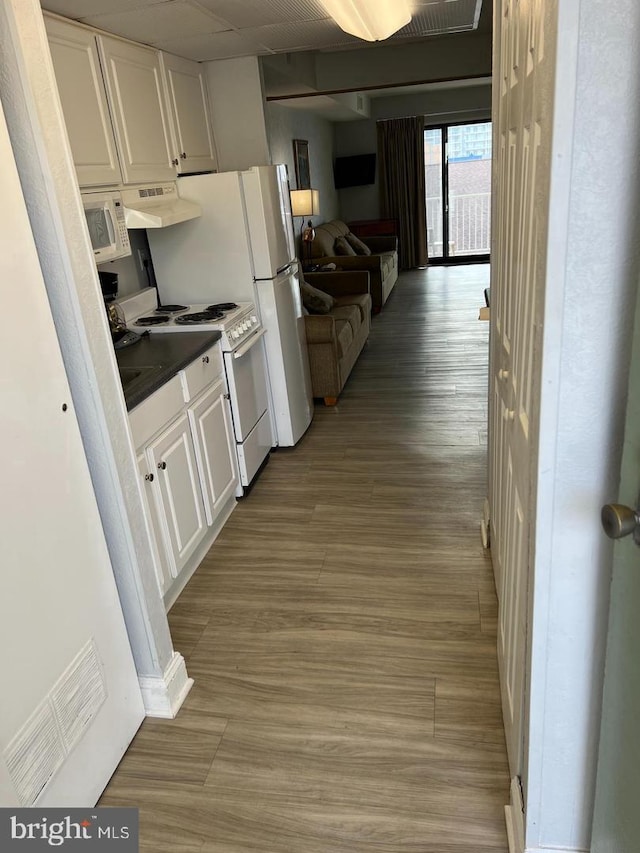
(129, 375)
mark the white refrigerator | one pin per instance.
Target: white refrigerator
(242, 249)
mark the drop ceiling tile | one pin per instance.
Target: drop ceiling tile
(300, 35)
(170, 20)
(208, 46)
(77, 9)
(258, 13)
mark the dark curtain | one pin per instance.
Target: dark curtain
(402, 186)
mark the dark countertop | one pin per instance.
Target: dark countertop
(156, 358)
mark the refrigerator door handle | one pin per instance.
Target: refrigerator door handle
(238, 353)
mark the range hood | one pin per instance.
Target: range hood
(157, 206)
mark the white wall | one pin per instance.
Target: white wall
(34, 118)
(237, 107)
(466, 103)
(285, 125)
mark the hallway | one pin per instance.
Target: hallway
(342, 630)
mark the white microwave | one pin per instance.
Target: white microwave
(104, 212)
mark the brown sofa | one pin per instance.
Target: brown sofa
(381, 264)
(335, 340)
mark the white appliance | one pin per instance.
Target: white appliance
(156, 206)
(245, 365)
(242, 248)
(104, 212)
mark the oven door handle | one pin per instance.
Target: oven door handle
(245, 349)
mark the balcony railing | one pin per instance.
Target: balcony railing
(469, 225)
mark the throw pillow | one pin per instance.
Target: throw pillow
(341, 247)
(357, 245)
(314, 300)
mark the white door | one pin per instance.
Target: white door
(520, 211)
(70, 700)
(84, 103)
(189, 107)
(177, 490)
(616, 825)
(136, 96)
(215, 448)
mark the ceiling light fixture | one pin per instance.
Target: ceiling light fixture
(371, 20)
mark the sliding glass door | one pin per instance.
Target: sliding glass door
(458, 183)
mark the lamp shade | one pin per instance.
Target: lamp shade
(371, 20)
(305, 202)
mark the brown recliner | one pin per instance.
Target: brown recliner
(381, 264)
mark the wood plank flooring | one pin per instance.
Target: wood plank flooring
(342, 629)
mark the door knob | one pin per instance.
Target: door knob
(619, 520)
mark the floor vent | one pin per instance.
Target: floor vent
(41, 746)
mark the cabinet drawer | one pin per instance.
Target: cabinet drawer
(156, 411)
(201, 372)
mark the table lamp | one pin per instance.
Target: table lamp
(306, 203)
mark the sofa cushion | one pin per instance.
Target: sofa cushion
(356, 244)
(342, 247)
(314, 300)
(344, 335)
(326, 234)
(350, 313)
(362, 300)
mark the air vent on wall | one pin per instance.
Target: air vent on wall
(78, 695)
(42, 744)
(34, 755)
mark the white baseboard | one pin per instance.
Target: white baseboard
(163, 696)
(557, 850)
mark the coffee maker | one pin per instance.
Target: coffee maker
(120, 334)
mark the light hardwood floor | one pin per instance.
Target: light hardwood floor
(342, 629)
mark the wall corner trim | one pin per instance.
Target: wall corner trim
(163, 695)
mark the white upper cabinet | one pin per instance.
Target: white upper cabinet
(134, 86)
(84, 103)
(193, 143)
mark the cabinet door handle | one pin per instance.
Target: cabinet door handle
(175, 162)
(183, 155)
(205, 359)
(149, 478)
(227, 396)
(162, 465)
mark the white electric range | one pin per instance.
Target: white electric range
(242, 344)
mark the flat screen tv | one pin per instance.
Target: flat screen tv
(355, 171)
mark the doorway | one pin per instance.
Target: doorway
(457, 168)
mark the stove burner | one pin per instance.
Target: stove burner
(155, 320)
(171, 309)
(222, 306)
(198, 317)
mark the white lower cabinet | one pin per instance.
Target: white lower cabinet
(158, 554)
(211, 424)
(187, 461)
(172, 459)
